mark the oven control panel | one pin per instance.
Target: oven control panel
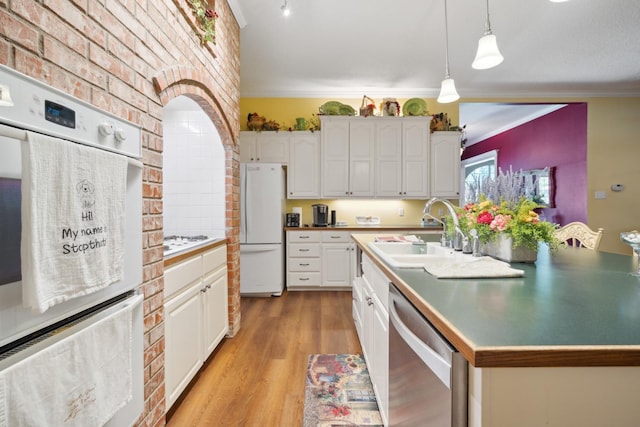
(41, 108)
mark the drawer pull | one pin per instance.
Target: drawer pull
(304, 265)
(303, 279)
(304, 250)
(304, 237)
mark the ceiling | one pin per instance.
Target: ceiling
(349, 48)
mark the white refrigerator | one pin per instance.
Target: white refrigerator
(262, 202)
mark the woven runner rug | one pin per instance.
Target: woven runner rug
(339, 392)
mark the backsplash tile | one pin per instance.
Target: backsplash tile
(194, 175)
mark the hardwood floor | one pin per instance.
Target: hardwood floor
(257, 378)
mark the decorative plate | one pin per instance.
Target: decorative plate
(335, 108)
(415, 107)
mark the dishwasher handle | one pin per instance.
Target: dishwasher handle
(439, 366)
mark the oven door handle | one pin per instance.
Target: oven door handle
(439, 366)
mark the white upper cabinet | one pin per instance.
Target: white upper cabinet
(264, 147)
(445, 164)
(335, 157)
(402, 157)
(415, 156)
(361, 156)
(388, 146)
(303, 172)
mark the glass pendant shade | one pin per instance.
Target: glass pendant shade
(448, 92)
(488, 55)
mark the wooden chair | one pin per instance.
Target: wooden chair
(580, 235)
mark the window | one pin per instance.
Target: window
(474, 171)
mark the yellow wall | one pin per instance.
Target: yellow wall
(348, 209)
(613, 157)
(285, 110)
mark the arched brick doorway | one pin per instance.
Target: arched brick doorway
(187, 81)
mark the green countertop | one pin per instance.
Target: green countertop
(574, 308)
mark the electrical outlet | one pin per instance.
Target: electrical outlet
(400, 211)
(600, 195)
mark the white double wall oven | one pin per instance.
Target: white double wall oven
(29, 106)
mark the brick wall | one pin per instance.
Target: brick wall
(130, 58)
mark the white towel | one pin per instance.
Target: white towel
(81, 380)
(482, 267)
(73, 206)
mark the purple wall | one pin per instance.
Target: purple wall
(557, 139)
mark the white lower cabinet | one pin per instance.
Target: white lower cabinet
(370, 294)
(319, 259)
(196, 316)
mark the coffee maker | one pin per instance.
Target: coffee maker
(320, 215)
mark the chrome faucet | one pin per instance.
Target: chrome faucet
(459, 240)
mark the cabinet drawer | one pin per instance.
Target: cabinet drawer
(336, 236)
(305, 251)
(303, 236)
(303, 279)
(214, 259)
(299, 264)
(180, 275)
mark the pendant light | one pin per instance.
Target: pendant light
(448, 91)
(488, 55)
(286, 11)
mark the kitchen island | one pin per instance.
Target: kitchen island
(557, 347)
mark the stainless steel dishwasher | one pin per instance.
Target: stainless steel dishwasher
(427, 376)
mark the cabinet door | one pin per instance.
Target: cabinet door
(357, 305)
(445, 164)
(415, 154)
(379, 370)
(366, 341)
(248, 151)
(335, 157)
(183, 340)
(361, 158)
(303, 174)
(214, 310)
(273, 147)
(336, 264)
(388, 154)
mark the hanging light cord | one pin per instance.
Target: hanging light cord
(487, 25)
(446, 42)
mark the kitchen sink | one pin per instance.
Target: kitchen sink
(441, 262)
(414, 255)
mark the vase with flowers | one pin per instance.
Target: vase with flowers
(506, 222)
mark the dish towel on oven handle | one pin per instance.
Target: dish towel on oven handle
(73, 213)
(81, 380)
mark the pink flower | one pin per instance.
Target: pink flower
(500, 222)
